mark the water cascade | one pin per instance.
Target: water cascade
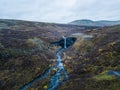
(61, 75)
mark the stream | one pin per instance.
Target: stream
(60, 75)
(112, 72)
(58, 78)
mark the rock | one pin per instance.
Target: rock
(69, 42)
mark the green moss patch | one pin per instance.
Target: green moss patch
(104, 76)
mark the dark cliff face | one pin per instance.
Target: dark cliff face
(69, 42)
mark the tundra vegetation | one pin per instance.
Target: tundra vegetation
(25, 53)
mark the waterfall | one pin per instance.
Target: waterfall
(55, 79)
(64, 41)
(58, 78)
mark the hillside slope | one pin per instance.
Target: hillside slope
(91, 60)
(25, 50)
(25, 53)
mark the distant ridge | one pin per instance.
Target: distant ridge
(101, 23)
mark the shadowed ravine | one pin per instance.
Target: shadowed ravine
(61, 75)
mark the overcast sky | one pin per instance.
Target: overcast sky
(60, 11)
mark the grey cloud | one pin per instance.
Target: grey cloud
(61, 11)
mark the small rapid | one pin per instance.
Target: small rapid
(56, 78)
(59, 77)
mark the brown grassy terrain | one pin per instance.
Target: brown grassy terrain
(91, 60)
(25, 53)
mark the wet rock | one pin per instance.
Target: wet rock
(69, 42)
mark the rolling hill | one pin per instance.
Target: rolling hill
(25, 53)
(101, 23)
